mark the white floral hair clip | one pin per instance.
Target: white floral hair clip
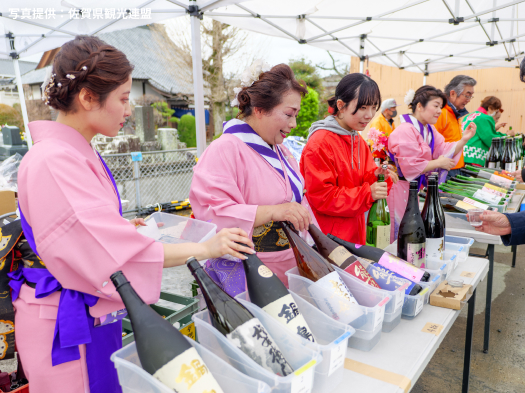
(84, 68)
(70, 76)
(409, 97)
(250, 76)
(49, 82)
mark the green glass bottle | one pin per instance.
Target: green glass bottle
(378, 225)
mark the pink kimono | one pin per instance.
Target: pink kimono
(69, 201)
(412, 154)
(230, 181)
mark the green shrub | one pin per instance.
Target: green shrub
(308, 114)
(11, 117)
(187, 130)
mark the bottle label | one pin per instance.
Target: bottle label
(492, 165)
(435, 248)
(493, 187)
(388, 280)
(357, 270)
(340, 255)
(252, 338)
(473, 204)
(397, 265)
(509, 167)
(494, 192)
(287, 313)
(486, 197)
(383, 236)
(416, 254)
(501, 181)
(334, 298)
(187, 373)
(264, 271)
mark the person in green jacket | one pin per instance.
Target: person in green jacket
(476, 150)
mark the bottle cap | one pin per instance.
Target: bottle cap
(118, 279)
(193, 264)
(414, 185)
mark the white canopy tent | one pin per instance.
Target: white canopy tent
(416, 35)
(424, 36)
(34, 26)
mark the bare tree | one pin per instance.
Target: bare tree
(336, 67)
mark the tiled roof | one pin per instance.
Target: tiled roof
(7, 67)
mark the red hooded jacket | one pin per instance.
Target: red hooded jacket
(338, 171)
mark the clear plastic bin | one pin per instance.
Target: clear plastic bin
(133, 378)
(331, 340)
(460, 244)
(392, 308)
(369, 313)
(414, 304)
(302, 359)
(173, 229)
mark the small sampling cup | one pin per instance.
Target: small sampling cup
(474, 217)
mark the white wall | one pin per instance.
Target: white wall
(9, 98)
(137, 91)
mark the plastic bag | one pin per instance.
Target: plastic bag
(9, 173)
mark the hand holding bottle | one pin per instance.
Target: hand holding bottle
(387, 171)
(294, 212)
(494, 223)
(379, 190)
(500, 125)
(515, 174)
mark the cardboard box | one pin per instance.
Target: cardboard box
(450, 297)
(7, 202)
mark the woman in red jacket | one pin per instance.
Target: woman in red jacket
(337, 165)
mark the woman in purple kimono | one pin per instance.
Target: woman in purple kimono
(72, 217)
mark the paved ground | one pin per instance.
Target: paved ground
(503, 368)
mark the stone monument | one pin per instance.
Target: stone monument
(144, 123)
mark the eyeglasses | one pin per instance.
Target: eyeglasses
(468, 97)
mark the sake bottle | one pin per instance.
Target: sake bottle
(238, 324)
(329, 288)
(434, 224)
(270, 294)
(378, 223)
(340, 256)
(163, 351)
(384, 259)
(411, 236)
(390, 281)
(492, 158)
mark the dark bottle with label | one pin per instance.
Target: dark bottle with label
(411, 236)
(384, 259)
(492, 157)
(163, 351)
(434, 223)
(389, 280)
(238, 324)
(440, 208)
(507, 163)
(340, 256)
(270, 294)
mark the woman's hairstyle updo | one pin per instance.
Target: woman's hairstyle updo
(354, 86)
(425, 94)
(85, 62)
(267, 92)
(491, 101)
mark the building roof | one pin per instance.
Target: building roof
(7, 67)
(152, 53)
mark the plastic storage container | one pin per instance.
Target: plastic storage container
(173, 229)
(302, 359)
(369, 313)
(189, 307)
(392, 308)
(331, 340)
(414, 304)
(460, 244)
(134, 379)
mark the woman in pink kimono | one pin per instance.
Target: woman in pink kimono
(71, 216)
(417, 148)
(248, 179)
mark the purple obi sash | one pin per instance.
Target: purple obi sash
(74, 325)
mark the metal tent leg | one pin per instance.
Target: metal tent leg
(490, 251)
(468, 342)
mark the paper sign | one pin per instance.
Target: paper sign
(304, 378)
(136, 156)
(432, 328)
(468, 274)
(338, 353)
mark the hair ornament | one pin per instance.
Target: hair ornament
(409, 97)
(59, 84)
(49, 82)
(70, 76)
(250, 75)
(84, 68)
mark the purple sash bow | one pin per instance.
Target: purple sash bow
(74, 325)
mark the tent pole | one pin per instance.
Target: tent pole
(424, 79)
(362, 53)
(198, 83)
(22, 102)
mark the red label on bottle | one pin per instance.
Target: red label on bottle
(358, 270)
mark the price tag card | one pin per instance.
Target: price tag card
(380, 314)
(419, 305)
(400, 295)
(338, 353)
(304, 379)
(468, 274)
(432, 328)
(189, 331)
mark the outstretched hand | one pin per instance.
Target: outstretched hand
(494, 223)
